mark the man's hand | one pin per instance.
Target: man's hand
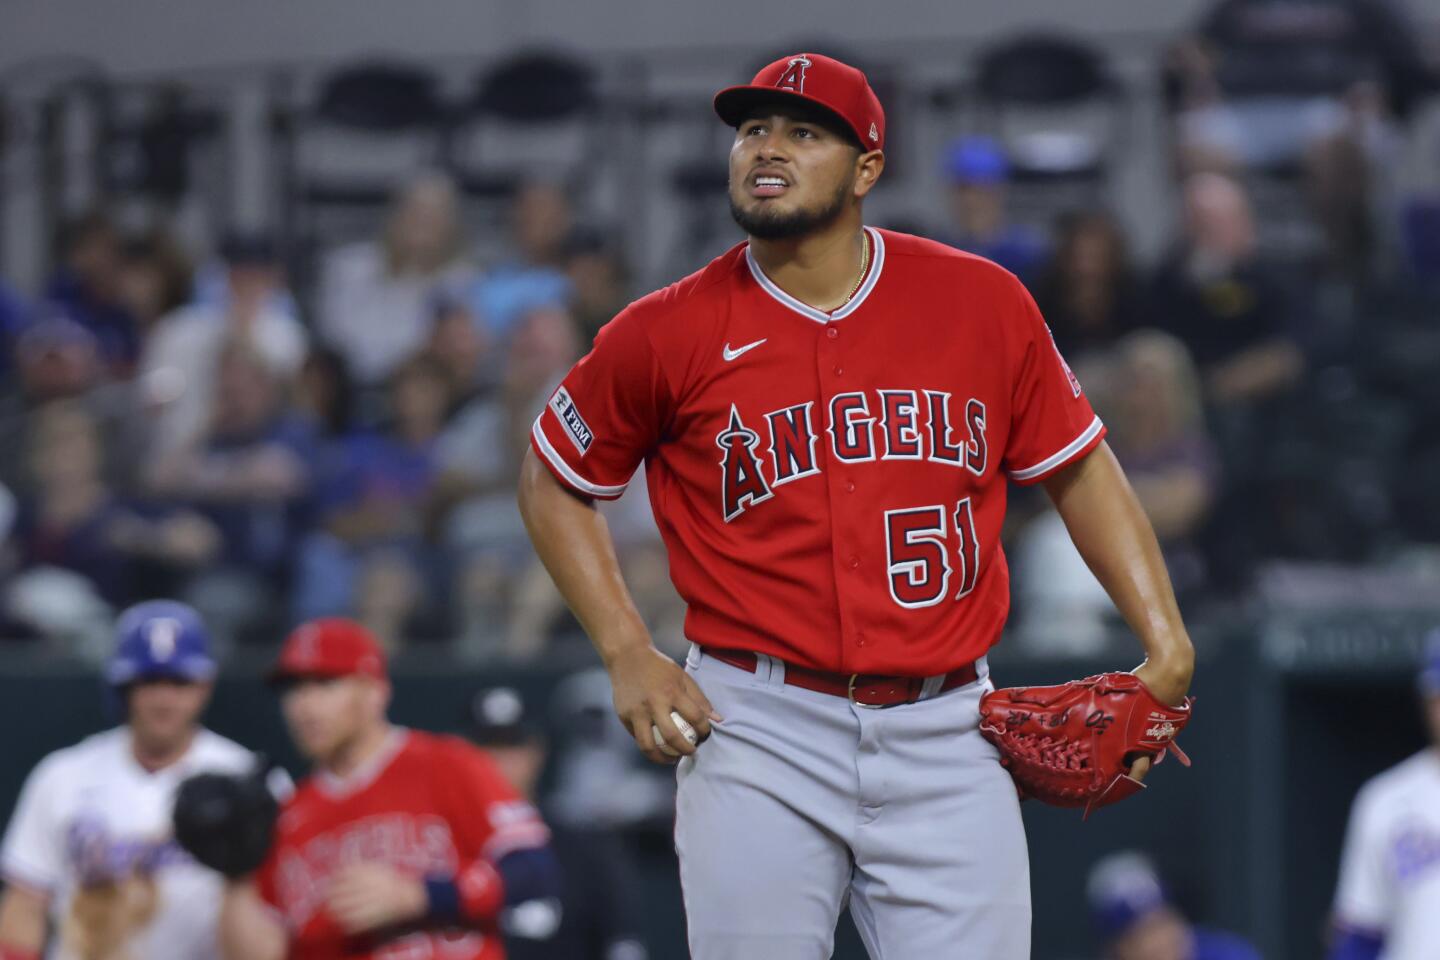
(1168, 682)
(369, 896)
(648, 685)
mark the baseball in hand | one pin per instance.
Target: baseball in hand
(687, 731)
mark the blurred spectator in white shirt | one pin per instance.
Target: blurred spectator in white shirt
(368, 556)
(375, 298)
(88, 284)
(182, 358)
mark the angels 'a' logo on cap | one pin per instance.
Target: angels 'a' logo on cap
(794, 76)
(874, 133)
(307, 644)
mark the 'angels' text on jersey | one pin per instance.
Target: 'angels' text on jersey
(890, 425)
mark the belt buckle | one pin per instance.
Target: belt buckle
(850, 692)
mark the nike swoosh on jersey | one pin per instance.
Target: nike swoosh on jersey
(732, 354)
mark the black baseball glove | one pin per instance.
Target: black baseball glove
(227, 821)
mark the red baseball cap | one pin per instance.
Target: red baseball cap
(814, 78)
(329, 647)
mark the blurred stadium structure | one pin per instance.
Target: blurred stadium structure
(276, 312)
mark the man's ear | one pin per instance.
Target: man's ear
(868, 167)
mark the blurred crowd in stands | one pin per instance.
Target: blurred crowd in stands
(190, 423)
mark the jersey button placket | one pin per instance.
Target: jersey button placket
(829, 367)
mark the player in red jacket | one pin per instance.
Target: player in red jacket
(829, 415)
(401, 845)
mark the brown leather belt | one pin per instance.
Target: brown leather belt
(862, 689)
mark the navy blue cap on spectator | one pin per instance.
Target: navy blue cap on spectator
(976, 160)
(498, 718)
(1123, 888)
(249, 249)
(1430, 666)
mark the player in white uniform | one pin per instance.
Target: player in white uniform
(89, 846)
(1387, 906)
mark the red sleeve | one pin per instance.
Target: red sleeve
(487, 817)
(607, 414)
(1051, 421)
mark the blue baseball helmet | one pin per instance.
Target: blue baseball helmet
(160, 639)
(1123, 888)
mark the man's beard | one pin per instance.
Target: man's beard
(765, 224)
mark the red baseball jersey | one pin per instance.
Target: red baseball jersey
(830, 487)
(427, 805)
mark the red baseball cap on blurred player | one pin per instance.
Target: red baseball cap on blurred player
(329, 647)
(814, 78)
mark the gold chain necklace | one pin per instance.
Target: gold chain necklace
(864, 268)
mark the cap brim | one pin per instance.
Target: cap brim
(733, 104)
(193, 670)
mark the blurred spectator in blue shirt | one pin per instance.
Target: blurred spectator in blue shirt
(15, 313)
(533, 275)
(978, 172)
(1135, 919)
(370, 558)
(375, 298)
(54, 359)
(74, 521)
(325, 394)
(249, 473)
(89, 284)
(1087, 291)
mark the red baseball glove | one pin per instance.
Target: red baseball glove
(1072, 745)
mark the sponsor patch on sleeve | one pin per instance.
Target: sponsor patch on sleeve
(1069, 374)
(575, 426)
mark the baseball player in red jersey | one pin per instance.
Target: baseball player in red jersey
(829, 415)
(401, 846)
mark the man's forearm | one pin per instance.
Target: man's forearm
(22, 920)
(573, 541)
(248, 931)
(1109, 528)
